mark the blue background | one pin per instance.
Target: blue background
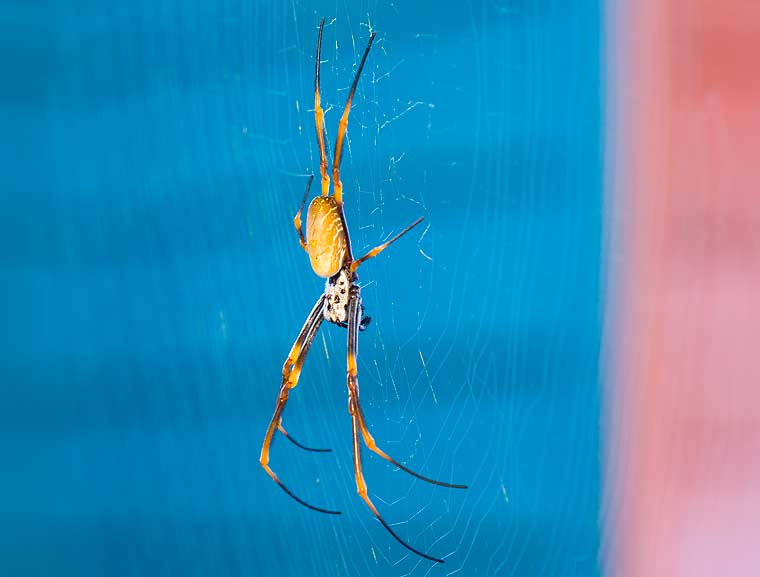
(153, 284)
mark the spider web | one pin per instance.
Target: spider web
(162, 283)
(477, 348)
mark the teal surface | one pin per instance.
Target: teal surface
(153, 285)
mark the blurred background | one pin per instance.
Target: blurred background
(682, 426)
(570, 331)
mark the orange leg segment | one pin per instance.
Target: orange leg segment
(344, 125)
(297, 217)
(380, 248)
(290, 373)
(357, 421)
(320, 118)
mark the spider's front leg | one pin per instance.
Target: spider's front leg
(291, 371)
(357, 419)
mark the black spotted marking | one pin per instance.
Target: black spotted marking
(338, 290)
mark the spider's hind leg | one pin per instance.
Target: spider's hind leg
(297, 217)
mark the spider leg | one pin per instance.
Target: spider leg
(291, 370)
(369, 440)
(297, 217)
(290, 373)
(380, 248)
(264, 460)
(296, 443)
(354, 318)
(319, 115)
(344, 125)
(372, 446)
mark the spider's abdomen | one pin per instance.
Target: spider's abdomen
(326, 236)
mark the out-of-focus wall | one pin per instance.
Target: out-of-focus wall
(683, 411)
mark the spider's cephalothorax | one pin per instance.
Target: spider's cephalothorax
(338, 291)
(329, 249)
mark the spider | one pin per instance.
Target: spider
(329, 250)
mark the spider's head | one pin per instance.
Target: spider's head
(326, 236)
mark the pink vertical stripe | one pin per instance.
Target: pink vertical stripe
(683, 451)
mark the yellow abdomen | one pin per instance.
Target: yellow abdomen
(325, 236)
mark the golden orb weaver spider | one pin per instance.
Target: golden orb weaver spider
(329, 250)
